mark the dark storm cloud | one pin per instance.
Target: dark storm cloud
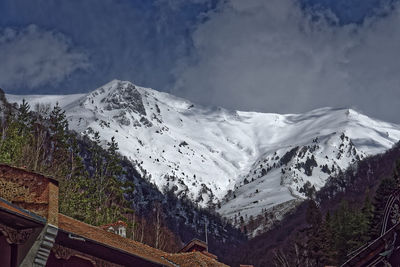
(273, 56)
(134, 40)
(32, 57)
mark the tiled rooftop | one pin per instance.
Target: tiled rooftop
(26, 195)
(99, 235)
(9, 207)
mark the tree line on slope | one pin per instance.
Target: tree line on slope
(41, 142)
(344, 215)
(99, 186)
(89, 176)
(330, 239)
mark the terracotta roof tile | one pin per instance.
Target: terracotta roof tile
(9, 207)
(101, 236)
(191, 259)
(135, 248)
(5, 205)
(192, 243)
(105, 226)
(205, 252)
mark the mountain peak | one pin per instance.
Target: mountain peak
(246, 162)
(117, 95)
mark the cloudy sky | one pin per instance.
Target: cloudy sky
(281, 56)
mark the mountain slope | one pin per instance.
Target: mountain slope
(243, 162)
(353, 186)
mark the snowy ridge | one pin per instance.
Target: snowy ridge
(243, 162)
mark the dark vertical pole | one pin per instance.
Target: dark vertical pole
(206, 234)
(14, 255)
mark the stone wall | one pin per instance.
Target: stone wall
(31, 191)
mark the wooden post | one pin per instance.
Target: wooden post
(14, 255)
(206, 234)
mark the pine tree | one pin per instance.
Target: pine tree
(59, 138)
(24, 117)
(12, 143)
(92, 190)
(16, 136)
(317, 249)
(58, 124)
(367, 212)
(113, 162)
(350, 228)
(330, 257)
(385, 189)
(396, 173)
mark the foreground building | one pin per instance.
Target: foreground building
(34, 233)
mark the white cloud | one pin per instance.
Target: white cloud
(271, 56)
(33, 57)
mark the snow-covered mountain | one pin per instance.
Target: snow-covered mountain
(241, 162)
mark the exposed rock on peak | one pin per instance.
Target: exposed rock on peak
(240, 162)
